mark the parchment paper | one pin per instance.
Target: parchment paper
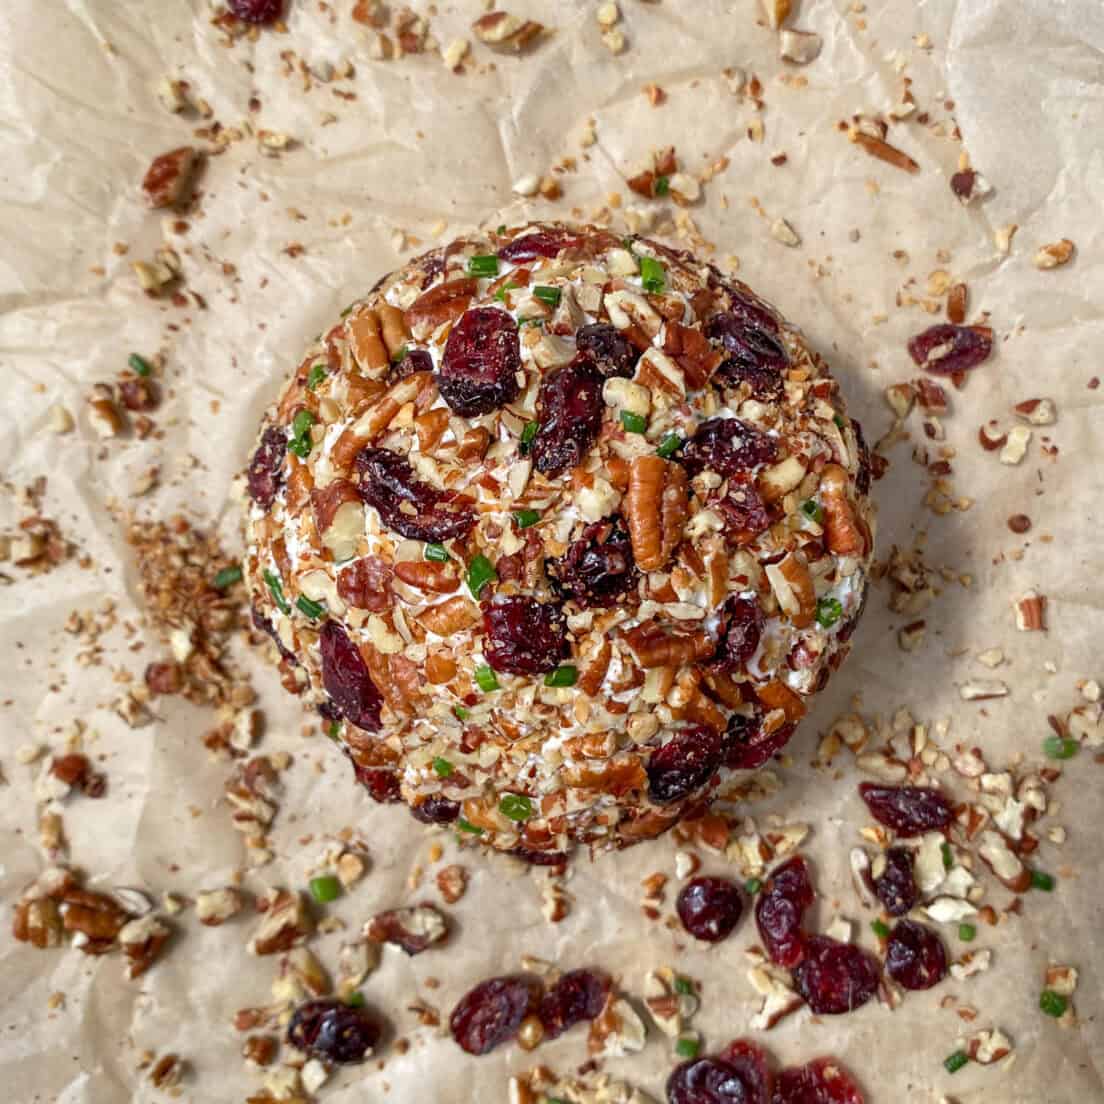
(418, 145)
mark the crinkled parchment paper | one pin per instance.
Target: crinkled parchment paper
(419, 145)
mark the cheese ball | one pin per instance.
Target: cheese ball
(560, 531)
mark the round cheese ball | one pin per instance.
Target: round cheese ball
(560, 531)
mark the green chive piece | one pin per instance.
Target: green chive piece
(301, 446)
(753, 885)
(954, 1062)
(516, 807)
(462, 714)
(485, 678)
(562, 676)
(527, 435)
(1053, 1004)
(483, 264)
(549, 295)
(436, 552)
(442, 767)
(662, 185)
(467, 826)
(669, 446)
(315, 376)
(811, 509)
(334, 730)
(967, 933)
(653, 276)
(399, 356)
(480, 572)
(302, 422)
(300, 442)
(325, 888)
(880, 929)
(276, 589)
(526, 518)
(500, 295)
(683, 985)
(228, 576)
(1058, 747)
(948, 855)
(139, 365)
(828, 612)
(313, 610)
(501, 229)
(633, 423)
(355, 1000)
(839, 421)
(687, 1047)
(1042, 881)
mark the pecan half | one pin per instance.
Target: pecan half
(656, 646)
(439, 578)
(168, 177)
(449, 617)
(841, 527)
(657, 507)
(441, 304)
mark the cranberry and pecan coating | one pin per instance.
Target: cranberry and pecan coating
(560, 530)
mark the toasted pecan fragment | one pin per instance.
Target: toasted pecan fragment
(656, 646)
(845, 538)
(505, 32)
(441, 304)
(167, 180)
(657, 507)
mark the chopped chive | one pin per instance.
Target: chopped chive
(500, 295)
(485, 678)
(811, 509)
(442, 767)
(325, 888)
(880, 929)
(1058, 747)
(348, 310)
(753, 885)
(399, 355)
(355, 999)
(828, 612)
(527, 435)
(300, 446)
(954, 1062)
(684, 985)
(139, 365)
(467, 826)
(315, 376)
(1053, 1004)
(549, 295)
(967, 933)
(462, 714)
(1042, 881)
(526, 518)
(948, 855)
(480, 572)
(436, 552)
(662, 185)
(653, 276)
(302, 422)
(501, 229)
(633, 423)
(301, 443)
(313, 610)
(334, 730)
(627, 243)
(687, 1047)
(562, 676)
(669, 446)
(276, 589)
(516, 807)
(483, 264)
(228, 576)
(839, 421)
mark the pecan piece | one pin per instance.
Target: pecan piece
(656, 646)
(368, 347)
(844, 536)
(168, 177)
(439, 578)
(141, 941)
(94, 918)
(449, 617)
(452, 881)
(441, 304)
(505, 32)
(286, 924)
(413, 929)
(657, 507)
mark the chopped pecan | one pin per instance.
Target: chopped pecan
(285, 924)
(168, 177)
(141, 941)
(449, 617)
(505, 32)
(441, 304)
(1031, 612)
(38, 922)
(216, 906)
(657, 646)
(657, 506)
(413, 929)
(367, 339)
(844, 536)
(452, 881)
(439, 578)
(95, 918)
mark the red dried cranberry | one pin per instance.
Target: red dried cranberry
(256, 11)
(541, 243)
(436, 810)
(524, 636)
(745, 513)
(915, 957)
(835, 977)
(334, 1031)
(606, 348)
(908, 810)
(492, 1012)
(944, 349)
(569, 410)
(747, 747)
(863, 476)
(751, 1062)
(713, 1081)
(709, 908)
(822, 1081)
(266, 475)
(382, 784)
(895, 887)
(414, 360)
(684, 764)
(539, 858)
(727, 446)
(387, 482)
(741, 626)
(748, 309)
(482, 358)
(599, 567)
(346, 678)
(782, 902)
(755, 356)
(579, 995)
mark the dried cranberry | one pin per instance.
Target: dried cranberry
(256, 11)
(599, 567)
(781, 904)
(539, 858)
(895, 887)
(381, 783)
(436, 810)
(334, 1031)
(492, 1012)
(709, 908)
(524, 636)
(413, 361)
(569, 410)
(755, 356)
(579, 995)
(713, 1081)
(748, 747)
(835, 977)
(611, 353)
(740, 628)
(266, 475)
(745, 513)
(482, 358)
(346, 678)
(822, 1081)
(387, 482)
(863, 476)
(915, 957)
(751, 1062)
(748, 309)
(541, 243)
(727, 446)
(908, 810)
(944, 349)
(684, 764)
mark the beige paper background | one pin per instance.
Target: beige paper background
(79, 124)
